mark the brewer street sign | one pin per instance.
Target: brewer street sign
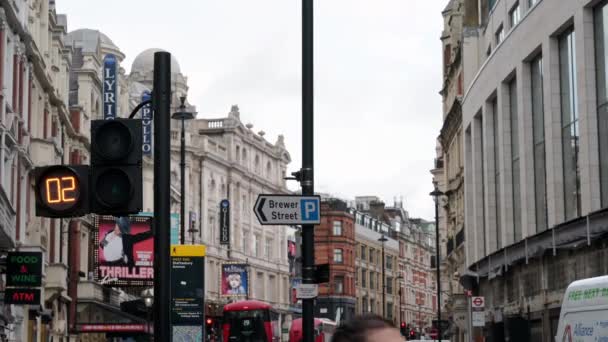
(288, 210)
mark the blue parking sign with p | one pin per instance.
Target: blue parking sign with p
(309, 209)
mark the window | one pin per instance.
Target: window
(363, 278)
(337, 228)
(389, 262)
(338, 257)
(371, 280)
(256, 245)
(268, 248)
(499, 35)
(363, 254)
(532, 3)
(570, 130)
(538, 138)
(601, 58)
(515, 160)
(371, 255)
(496, 132)
(389, 285)
(245, 239)
(389, 311)
(339, 284)
(514, 15)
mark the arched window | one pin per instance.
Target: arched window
(244, 156)
(237, 155)
(257, 163)
(268, 170)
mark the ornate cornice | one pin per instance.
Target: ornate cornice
(451, 124)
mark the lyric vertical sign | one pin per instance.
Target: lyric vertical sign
(109, 87)
(146, 115)
(224, 222)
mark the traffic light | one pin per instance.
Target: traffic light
(62, 190)
(403, 329)
(116, 175)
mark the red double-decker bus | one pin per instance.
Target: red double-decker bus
(251, 321)
(324, 330)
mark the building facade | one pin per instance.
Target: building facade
(51, 87)
(448, 172)
(35, 129)
(534, 148)
(410, 279)
(335, 245)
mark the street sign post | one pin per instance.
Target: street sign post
(478, 315)
(288, 210)
(477, 303)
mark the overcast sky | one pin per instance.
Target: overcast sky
(377, 78)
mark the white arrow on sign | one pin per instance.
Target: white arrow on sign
(288, 210)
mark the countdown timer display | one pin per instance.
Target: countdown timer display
(60, 189)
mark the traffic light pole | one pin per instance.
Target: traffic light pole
(182, 205)
(306, 173)
(161, 99)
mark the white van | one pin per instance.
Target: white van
(584, 313)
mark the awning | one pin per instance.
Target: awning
(93, 316)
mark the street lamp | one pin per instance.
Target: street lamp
(383, 239)
(436, 193)
(183, 115)
(148, 296)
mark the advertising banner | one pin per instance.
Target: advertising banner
(125, 250)
(146, 123)
(24, 269)
(174, 226)
(224, 222)
(188, 292)
(235, 280)
(110, 63)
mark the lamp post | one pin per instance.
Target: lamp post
(148, 296)
(436, 193)
(400, 279)
(183, 115)
(383, 239)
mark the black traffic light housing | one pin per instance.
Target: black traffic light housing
(62, 190)
(403, 329)
(116, 166)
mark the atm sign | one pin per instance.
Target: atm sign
(22, 296)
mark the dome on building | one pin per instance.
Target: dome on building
(88, 40)
(144, 62)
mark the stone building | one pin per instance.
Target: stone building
(448, 172)
(52, 88)
(335, 245)
(35, 129)
(410, 279)
(368, 260)
(534, 152)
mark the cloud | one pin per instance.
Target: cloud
(377, 77)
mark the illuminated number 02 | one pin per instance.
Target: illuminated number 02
(61, 191)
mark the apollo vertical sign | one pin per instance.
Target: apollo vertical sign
(109, 86)
(288, 210)
(146, 123)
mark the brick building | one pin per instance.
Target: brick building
(335, 245)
